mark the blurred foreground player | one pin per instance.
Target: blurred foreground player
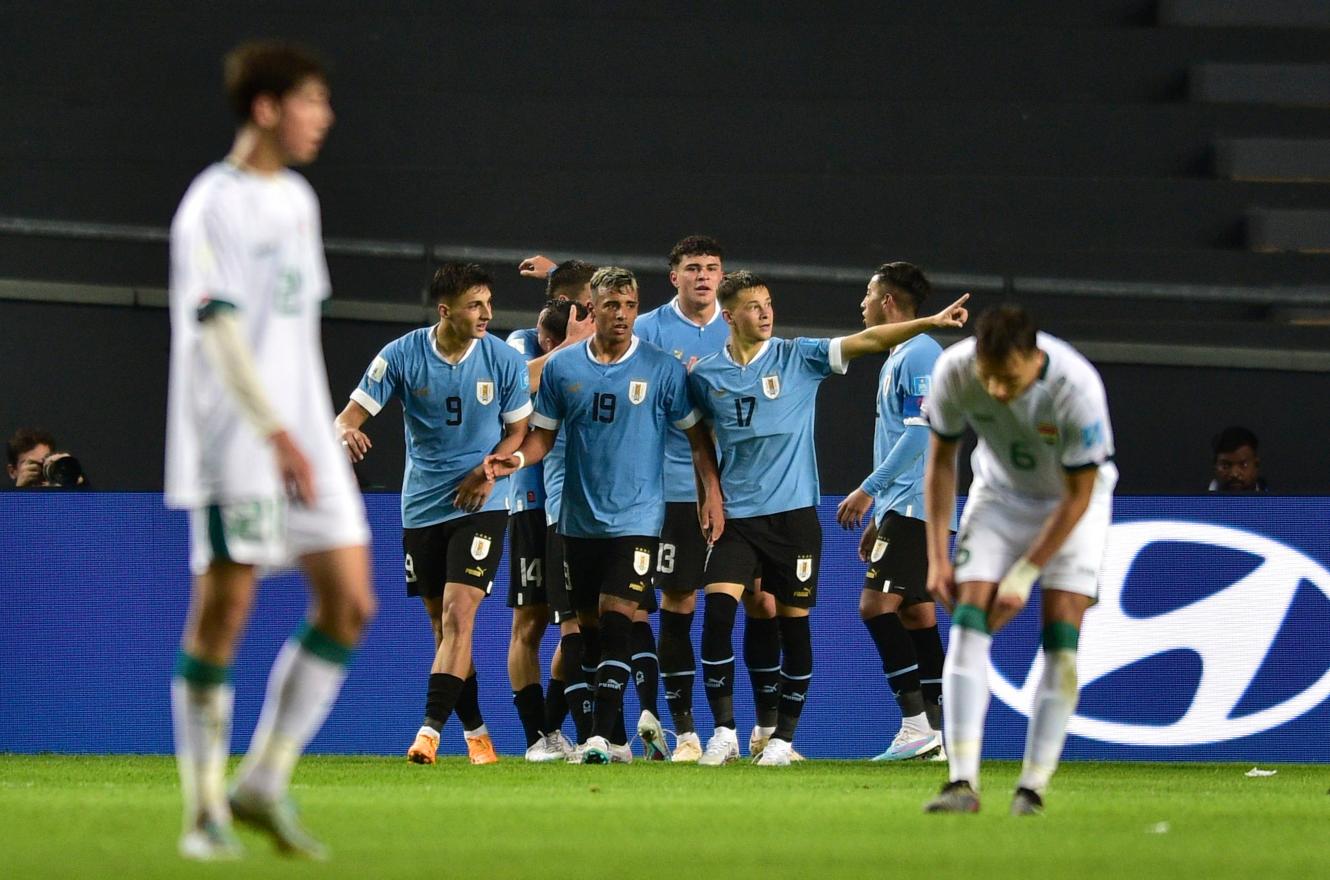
(1038, 509)
(251, 453)
(463, 395)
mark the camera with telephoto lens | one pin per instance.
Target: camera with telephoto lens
(63, 471)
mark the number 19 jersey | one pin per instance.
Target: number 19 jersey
(614, 417)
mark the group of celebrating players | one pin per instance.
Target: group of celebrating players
(674, 451)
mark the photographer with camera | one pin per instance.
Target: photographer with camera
(34, 463)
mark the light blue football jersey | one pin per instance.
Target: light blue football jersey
(763, 416)
(667, 328)
(614, 417)
(900, 431)
(526, 488)
(552, 465)
(453, 413)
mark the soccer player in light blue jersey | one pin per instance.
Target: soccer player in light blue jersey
(758, 395)
(895, 605)
(690, 327)
(613, 398)
(570, 279)
(464, 394)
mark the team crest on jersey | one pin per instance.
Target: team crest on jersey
(771, 386)
(637, 390)
(1048, 433)
(803, 567)
(484, 391)
(641, 561)
(879, 548)
(480, 546)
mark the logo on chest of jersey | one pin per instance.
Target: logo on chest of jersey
(637, 390)
(480, 547)
(484, 391)
(678, 354)
(771, 386)
(1048, 433)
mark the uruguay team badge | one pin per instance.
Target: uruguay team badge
(803, 568)
(637, 390)
(641, 559)
(480, 547)
(484, 391)
(879, 548)
(771, 386)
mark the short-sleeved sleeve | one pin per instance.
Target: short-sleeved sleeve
(821, 357)
(913, 380)
(1084, 433)
(382, 379)
(941, 406)
(549, 407)
(217, 258)
(678, 402)
(515, 396)
(517, 341)
(697, 392)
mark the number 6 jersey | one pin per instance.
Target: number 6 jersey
(1060, 423)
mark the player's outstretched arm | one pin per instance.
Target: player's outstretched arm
(710, 499)
(534, 447)
(1014, 589)
(884, 337)
(907, 449)
(476, 486)
(227, 353)
(537, 266)
(578, 330)
(348, 423)
(939, 502)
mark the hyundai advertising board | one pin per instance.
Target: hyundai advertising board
(1211, 640)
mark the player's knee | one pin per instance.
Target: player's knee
(684, 602)
(528, 629)
(918, 616)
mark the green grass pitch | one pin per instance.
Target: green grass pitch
(90, 817)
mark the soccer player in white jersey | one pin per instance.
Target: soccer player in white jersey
(251, 452)
(894, 605)
(758, 395)
(614, 398)
(464, 394)
(1038, 510)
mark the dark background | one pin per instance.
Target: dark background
(977, 136)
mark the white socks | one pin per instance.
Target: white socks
(1054, 702)
(201, 716)
(965, 682)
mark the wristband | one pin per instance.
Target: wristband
(1019, 579)
(521, 459)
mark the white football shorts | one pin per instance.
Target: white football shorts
(272, 533)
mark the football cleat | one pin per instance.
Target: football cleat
(596, 750)
(278, 818)
(546, 749)
(1027, 802)
(776, 753)
(955, 797)
(653, 737)
(757, 741)
(575, 754)
(210, 842)
(687, 749)
(910, 743)
(722, 748)
(621, 754)
(481, 749)
(939, 755)
(425, 747)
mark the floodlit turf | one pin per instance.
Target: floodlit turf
(89, 817)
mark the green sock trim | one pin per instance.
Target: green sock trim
(970, 617)
(200, 672)
(322, 645)
(1060, 636)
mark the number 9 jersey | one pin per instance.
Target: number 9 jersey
(1060, 423)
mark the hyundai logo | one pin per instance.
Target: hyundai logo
(1254, 606)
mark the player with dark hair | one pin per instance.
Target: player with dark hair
(895, 605)
(570, 280)
(464, 394)
(613, 398)
(1038, 510)
(690, 327)
(758, 395)
(251, 454)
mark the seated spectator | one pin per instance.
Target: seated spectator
(34, 463)
(1237, 466)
